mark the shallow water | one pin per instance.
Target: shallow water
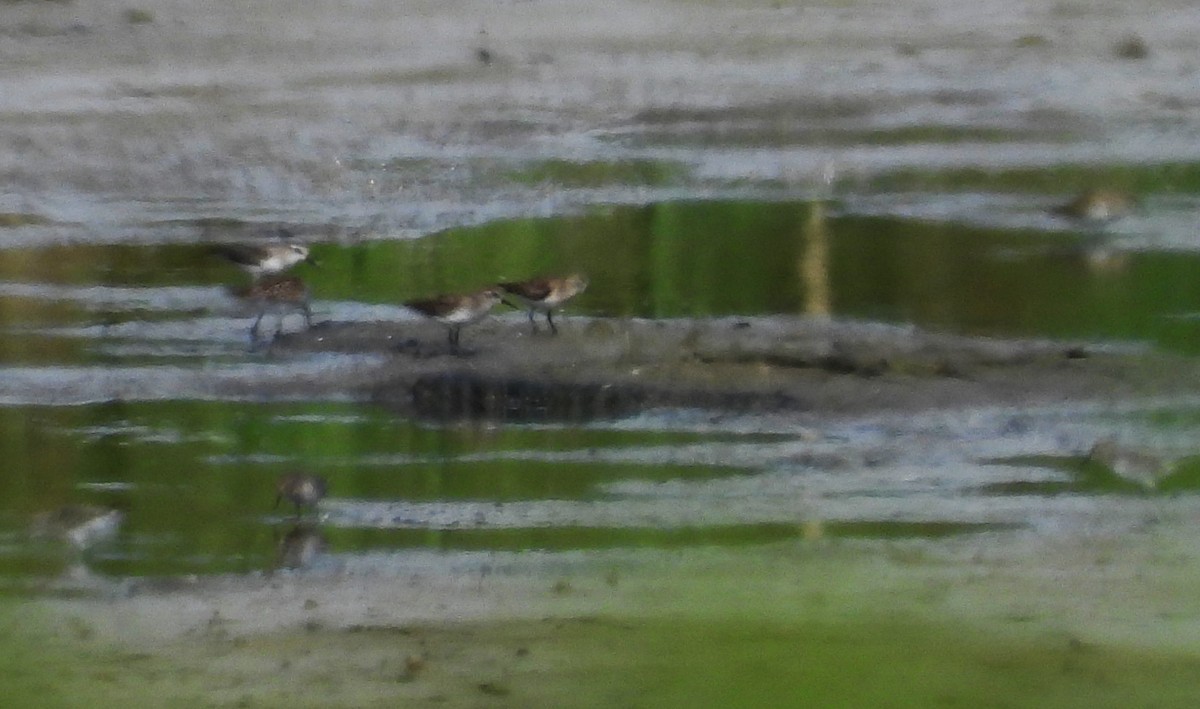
(78, 317)
(867, 161)
(194, 482)
(984, 266)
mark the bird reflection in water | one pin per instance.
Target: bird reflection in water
(304, 543)
(301, 547)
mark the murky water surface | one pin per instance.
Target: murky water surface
(194, 485)
(859, 160)
(193, 480)
(970, 263)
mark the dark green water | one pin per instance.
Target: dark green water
(194, 480)
(195, 483)
(699, 259)
(695, 259)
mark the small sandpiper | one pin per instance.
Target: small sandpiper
(455, 311)
(1130, 464)
(280, 295)
(545, 294)
(265, 259)
(300, 546)
(304, 490)
(1097, 206)
(79, 525)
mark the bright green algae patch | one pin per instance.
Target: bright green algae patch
(875, 662)
(864, 661)
(847, 624)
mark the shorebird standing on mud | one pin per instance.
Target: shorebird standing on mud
(278, 294)
(455, 311)
(304, 490)
(264, 259)
(1097, 206)
(545, 294)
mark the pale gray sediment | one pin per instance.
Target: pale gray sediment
(183, 124)
(814, 368)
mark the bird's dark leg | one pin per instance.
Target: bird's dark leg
(257, 322)
(532, 322)
(307, 316)
(454, 338)
(550, 319)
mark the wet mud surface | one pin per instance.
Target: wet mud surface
(914, 513)
(814, 369)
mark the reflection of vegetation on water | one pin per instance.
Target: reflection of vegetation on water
(696, 259)
(1083, 475)
(1047, 179)
(716, 258)
(113, 265)
(674, 259)
(667, 260)
(195, 480)
(505, 480)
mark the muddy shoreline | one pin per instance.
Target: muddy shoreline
(811, 368)
(166, 122)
